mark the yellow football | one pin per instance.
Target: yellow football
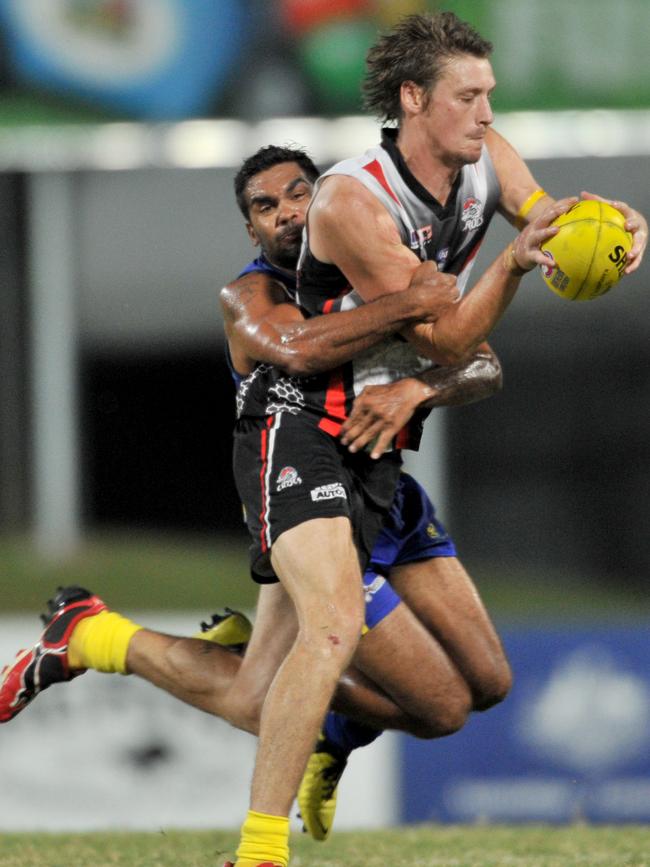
(590, 251)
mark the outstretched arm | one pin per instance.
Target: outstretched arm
(261, 325)
(522, 199)
(369, 251)
(463, 327)
(381, 411)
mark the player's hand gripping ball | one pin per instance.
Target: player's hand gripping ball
(590, 251)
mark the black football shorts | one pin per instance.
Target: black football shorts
(288, 471)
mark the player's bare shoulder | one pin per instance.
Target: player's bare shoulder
(251, 292)
(340, 196)
(349, 227)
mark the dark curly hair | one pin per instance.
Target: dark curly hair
(265, 158)
(416, 49)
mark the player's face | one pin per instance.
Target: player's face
(278, 199)
(458, 114)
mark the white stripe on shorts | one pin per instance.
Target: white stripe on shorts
(267, 478)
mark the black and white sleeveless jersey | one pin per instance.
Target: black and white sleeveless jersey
(450, 235)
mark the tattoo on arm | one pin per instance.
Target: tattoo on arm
(479, 378)
(247, 288)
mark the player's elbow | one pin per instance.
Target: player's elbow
(453, 352)
(494, 375)
(487, 372)
(300, 363)
(298, 353)
(456, 347)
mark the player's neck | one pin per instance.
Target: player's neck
(426, 166)
(290, 272)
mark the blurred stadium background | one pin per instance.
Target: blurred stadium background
(121, 124)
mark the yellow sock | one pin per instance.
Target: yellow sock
(264, 838)
(101, 642)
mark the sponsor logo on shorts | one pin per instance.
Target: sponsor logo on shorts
(287, 478)
(374, 587)
(329, 492)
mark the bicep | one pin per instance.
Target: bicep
(255, 308)
(348, 227)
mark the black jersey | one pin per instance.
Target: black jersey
(450, 235)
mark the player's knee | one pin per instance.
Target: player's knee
(248, 717)
(340, 639)
(334, 636)
(444, 718)
(493, 688)
(453, 716)
(244, 709)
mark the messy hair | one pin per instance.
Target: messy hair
(265, 158)
(416, 50)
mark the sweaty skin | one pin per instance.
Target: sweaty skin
(262, 326)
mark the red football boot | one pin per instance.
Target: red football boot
(47, 662)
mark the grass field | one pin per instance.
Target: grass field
(145, 572)
(423, 846)
(135, 572)
(131, 571)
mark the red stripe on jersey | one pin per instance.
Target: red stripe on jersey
(329, 306)
(334, 404)
(333, 428)
(472, 254)
(403, 438)
(264, 454)
(335, 395)
(374, 168)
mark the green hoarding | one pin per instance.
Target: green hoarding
(565, 53)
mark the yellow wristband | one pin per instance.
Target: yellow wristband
(530, 202)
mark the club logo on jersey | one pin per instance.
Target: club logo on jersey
(472, 214)
(287, 478)
(329, 492)
(419, 237)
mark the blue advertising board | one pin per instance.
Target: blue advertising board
(152, 59)
(571, 741)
